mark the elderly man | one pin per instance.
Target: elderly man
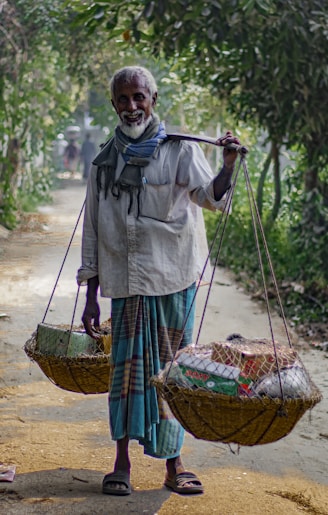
(140, 247)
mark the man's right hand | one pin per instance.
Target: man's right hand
(91, 313)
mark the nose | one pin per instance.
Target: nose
(131, 105)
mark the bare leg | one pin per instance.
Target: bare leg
(122, 461)
(186, 483)
(122, 464)
(174, 466)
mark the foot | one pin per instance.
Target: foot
(179, 480)
(184, 483)
(117, 483)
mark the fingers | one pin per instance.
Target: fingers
(91, 314)
(227, 139)
(87, 324)
(91, 330)
(97, 322)
(95, 335)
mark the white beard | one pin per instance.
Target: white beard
(134, 131)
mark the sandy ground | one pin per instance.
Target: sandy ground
(59, 441)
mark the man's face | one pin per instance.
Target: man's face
(134, 105)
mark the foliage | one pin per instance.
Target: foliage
(35, 190)
(236, 64)
(266, 60)
(35, 94)
(298, 256)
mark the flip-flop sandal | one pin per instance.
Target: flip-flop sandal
(110, 481)
(179, 483)
(320, 345)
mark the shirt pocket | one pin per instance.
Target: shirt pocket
(156, 201)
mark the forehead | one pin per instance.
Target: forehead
(131, 86)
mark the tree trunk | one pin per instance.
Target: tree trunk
(311, 215)
(311, 178)
(275, 153)
(277, 183)
(260, 186)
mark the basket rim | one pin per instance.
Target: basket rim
(237, 400)
(83, 358)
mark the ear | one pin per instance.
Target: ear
(113, 104)
(154, 99)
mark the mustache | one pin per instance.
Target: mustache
(137, 112)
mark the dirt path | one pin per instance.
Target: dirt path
(59, 440)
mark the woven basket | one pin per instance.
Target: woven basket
(234, 419)
(83, 369)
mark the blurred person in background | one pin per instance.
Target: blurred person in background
(88, 152)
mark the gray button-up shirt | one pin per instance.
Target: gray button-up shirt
(160, 247)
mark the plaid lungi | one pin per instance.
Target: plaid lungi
(146, 333)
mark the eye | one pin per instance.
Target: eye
(122, 99)
(139, 97)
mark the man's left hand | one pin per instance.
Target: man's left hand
(229, 155)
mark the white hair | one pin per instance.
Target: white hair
(128, 73)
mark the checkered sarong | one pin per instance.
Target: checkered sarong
(146, 333)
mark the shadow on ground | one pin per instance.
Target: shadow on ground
(70, 491)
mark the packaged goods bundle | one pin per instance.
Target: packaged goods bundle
(206, 373)
(259, 359)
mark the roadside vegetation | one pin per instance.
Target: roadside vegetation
(256, 66)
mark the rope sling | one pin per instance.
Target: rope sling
(229, 413)
(263, 395)
(70, 358)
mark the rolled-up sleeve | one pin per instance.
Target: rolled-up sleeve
(199, 171)
(224, 204)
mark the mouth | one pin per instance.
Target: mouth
(133, 118)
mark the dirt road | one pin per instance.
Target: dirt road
(59, 441)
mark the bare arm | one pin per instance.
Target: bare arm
(222, 182)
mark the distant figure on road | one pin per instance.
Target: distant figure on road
(72, 157)
(58, 152)
(88, 152)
